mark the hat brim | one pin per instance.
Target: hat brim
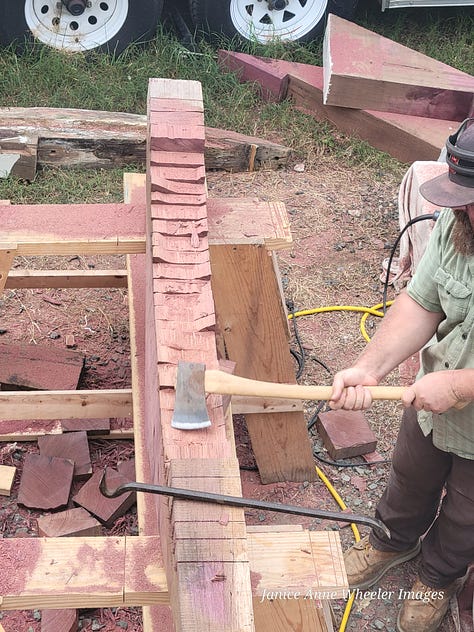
(442, 191)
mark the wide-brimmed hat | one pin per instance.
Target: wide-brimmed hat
(456, 187)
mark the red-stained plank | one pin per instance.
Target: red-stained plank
(91, 426)
(45, 482)
(67, 523)
(162, 209)
(71, 445)
(380, 74)
(180, 174)
(107, 510)
(40, 367)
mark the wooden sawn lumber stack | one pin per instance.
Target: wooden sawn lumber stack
(400, 101)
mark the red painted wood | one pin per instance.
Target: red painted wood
(40, 367)
(45, 482)
(71, 445)
(107, 510)
(59, 621)
(71, 522)
(345, 433)
(380, 74)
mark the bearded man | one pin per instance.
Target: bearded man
(435, 446)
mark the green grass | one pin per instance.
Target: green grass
(45, 77)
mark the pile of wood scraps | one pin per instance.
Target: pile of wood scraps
(400, 101)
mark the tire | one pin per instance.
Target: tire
(299, 20)
(106, 26)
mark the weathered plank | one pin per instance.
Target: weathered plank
(95, 139)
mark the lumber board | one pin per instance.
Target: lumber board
(81, 572)
(251, 316)
(39, 367)
(7, 476)
(96, 139)
(403, 136)
(66, 278)
(7, 253)
(382, 75)
(103, 229)
(25, 405)
(58, 572)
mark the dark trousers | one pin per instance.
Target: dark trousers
(410, 506)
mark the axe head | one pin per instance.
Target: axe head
(190, 412)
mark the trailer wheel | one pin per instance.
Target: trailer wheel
(265, 20)
(79, 25)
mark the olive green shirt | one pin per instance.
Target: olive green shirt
(443, 283)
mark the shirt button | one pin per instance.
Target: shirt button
(446, 364)
(464, 336)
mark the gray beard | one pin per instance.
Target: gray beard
(463, 234)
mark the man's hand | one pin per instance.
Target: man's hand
(434, 392)
(348, 390)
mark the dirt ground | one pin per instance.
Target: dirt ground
(344, 222)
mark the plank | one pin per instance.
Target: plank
(403, 136)
(90, 426)
(250, 313)
(59, 572)
(7, 253)
(40, 367)
(7, 476)
(382, 75)
(72, 522)
(66, 278)
(73, 446)
(45, 482)
(104, 228)
(23, 405)
(80, 572)
(280, 616)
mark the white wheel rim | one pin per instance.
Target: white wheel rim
(52, 24)
(254, 20)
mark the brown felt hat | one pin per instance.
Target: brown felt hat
(456, 187)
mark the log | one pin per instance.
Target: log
(95, 139)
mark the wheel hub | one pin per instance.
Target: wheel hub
(75, 7)
(75, 25)
(265, 20)
(277, 5)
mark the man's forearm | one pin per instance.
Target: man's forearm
(463, 384)
(404, 330)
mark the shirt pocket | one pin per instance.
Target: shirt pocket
(454, 295)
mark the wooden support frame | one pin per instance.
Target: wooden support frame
(194, 558)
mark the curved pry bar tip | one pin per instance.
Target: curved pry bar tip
(107, 492)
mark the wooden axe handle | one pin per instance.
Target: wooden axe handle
(226, 384)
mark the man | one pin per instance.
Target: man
(435, 445)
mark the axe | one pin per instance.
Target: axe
(193, 381)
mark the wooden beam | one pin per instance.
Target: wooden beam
(23, 405)
(382, 75)
(66, 278)
(103, 228)
(95, 572)
(7, 476)
(7, 253)
(93, 139)
(251, 316)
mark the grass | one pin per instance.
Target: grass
(45, 77)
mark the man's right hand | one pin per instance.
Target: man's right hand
(348, 390)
